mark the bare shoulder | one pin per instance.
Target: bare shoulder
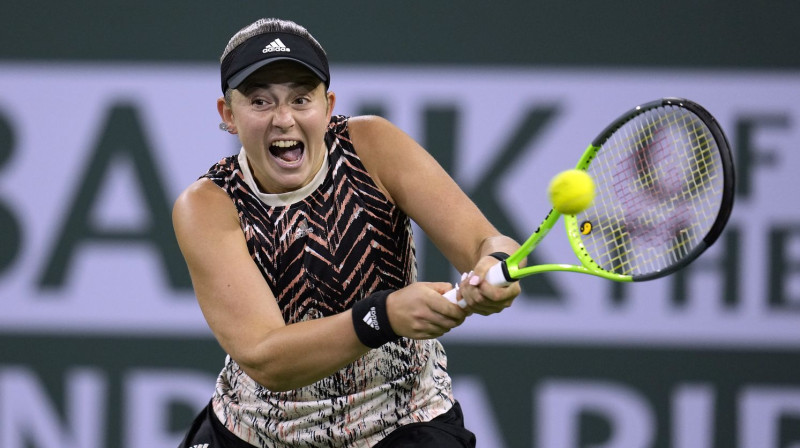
(368, 127)
(386, 151)
(202, 204)
(199, 195)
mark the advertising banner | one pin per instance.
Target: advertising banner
(102, 343)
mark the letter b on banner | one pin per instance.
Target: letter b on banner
(10, 230)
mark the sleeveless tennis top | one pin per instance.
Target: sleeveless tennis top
(320, 250)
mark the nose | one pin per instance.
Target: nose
(283, 117)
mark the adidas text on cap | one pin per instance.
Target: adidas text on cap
(266, 48)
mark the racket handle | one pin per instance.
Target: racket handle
(495, 276)
(451, 296)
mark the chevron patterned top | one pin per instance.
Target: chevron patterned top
(319, 255)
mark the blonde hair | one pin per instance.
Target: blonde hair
(262, 26)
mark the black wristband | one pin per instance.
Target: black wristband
(371, 321)
(499, 255)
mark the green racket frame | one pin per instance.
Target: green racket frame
(513, 272)
(509, 271)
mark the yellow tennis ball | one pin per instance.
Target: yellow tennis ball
(571, 191)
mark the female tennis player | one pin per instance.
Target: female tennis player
(302, 260)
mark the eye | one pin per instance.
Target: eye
(260, 103)
(302, 100)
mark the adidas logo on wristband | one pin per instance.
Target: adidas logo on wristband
(371, 319)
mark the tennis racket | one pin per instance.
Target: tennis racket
(664, 187)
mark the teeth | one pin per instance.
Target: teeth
(285, 143)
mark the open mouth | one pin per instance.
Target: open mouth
(287, 151)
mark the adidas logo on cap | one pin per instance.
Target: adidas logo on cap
(276, 45)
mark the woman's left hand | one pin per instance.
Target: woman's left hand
(481, 297)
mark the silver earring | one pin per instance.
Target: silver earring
(224, 126)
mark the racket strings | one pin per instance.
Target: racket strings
(658, 190)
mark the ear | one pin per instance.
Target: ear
(331, 103)
(226, 114)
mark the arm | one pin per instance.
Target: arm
(240, 308)
(242, 311)
(416, 183)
